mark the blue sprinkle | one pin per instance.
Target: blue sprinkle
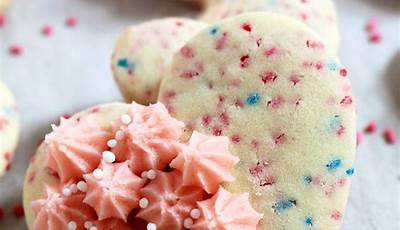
(253, 99)
(283, 205)
(307, 179)
(124, 63)
(309, 221)
(350, 171)
(333, 66)
(214, 30)
(334, 164)
(335, 123)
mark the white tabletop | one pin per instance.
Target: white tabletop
(70, 71)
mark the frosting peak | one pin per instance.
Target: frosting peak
(75, 147)
(116, 193)
(206, 162)
(150, 137)
(169, 201)
(56, 211)
(226, 211)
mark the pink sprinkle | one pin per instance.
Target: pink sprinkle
(187, 52)
(16, 50)
(343, 72)
(390, 136)
(371, 127)
(220, 42)
(18, 210)
(71, 21)
(375, 37)
(271, 51)
(336, 215)
(2, 20)
(47, 30)
(268, 77)
(372, 24)
(360, 138)
(235, 139)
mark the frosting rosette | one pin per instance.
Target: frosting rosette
(111, 224)
(205, 162)
(169, 202)
(74, 148)
(56, 211)
(115, 192)
(227, 211)
(147, 136)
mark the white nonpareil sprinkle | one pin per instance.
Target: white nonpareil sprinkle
(119, 135)
(67, 192)
(82, 186)
(126, 119)
(73, 188)
(98, 174)
(144, 175)
(88, 224)
(108, 156)
(143, 203)
(72, 225)
(112, 143)
(151, 174)
(195, 213)
(188, 223)
(93, 228)
(151, 226)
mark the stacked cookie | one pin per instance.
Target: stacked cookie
(268, 83)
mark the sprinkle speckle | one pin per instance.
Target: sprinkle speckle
(283, 205)
(334, 164)
(253, 99)
(350, 171)
(309, 221)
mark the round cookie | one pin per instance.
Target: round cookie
(9, 127)
(271, 85)
(319, 15)
(143, 53)
(37, 175)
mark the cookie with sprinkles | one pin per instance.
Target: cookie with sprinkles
(319, 15)
(270, 84)
(143, 52)
(114, 164)
(9, 128)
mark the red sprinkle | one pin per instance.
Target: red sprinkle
(375, 37)
(47, 30)
(268, 77)
(390, 136)
(343, 72)
(247, 27)
(235, 139)
(360, 138)
(16, 50)
(2, 20)
(371, 127)
(71, 22)
(18, 210)
(245, 61)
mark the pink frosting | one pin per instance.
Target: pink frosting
(112, 224)
(169, 201)
(226, 211)
(74, 148)
(150, 140)
(206, 162)
(55, 210)
(116, 194)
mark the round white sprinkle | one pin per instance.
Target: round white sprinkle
(143, 203)
(98, 174)
(195, 213)
(119, 135)
(151, 226)
(144, 175)
(72, 225)
(108, 156)
(112, 143)
(151, 174)
(82, 186)
(73, 188)
(93, 228)
(126, 119)
(67, 192)
(88, 224)
(188, 223)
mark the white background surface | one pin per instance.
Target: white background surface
(69, 71)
